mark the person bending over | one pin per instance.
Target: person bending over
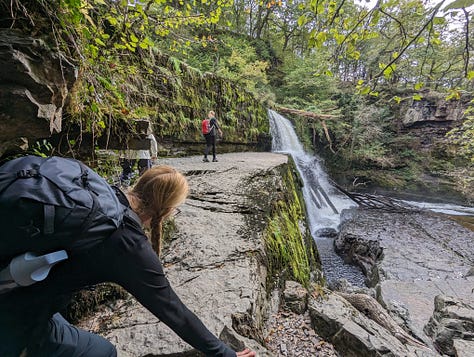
(30, 324)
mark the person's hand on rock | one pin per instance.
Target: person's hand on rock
(246, 353)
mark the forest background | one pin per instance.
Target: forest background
(341, 69)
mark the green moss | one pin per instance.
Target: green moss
(88, 301)
(290, 251)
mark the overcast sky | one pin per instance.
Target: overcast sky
(454, 23)
(371, 3)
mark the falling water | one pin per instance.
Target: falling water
(323, 201)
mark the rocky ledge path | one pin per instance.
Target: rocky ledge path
(214, 263)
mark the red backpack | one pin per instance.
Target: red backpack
(206, 127)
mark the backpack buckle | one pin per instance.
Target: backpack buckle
(27, 173)
(30, 230)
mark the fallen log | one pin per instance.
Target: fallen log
(307, 114)
(377, 202)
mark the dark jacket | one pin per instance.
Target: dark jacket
(125, 258)
(214, 126)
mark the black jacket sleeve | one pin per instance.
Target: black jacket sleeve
(135, 266)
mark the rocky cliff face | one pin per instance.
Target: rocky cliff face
(35, 83)
(432, 117)
(35, 94)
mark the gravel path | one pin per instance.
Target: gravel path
(291, 335)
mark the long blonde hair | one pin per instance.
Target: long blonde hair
(155, 195)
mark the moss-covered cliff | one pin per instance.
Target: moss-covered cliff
(114, 83)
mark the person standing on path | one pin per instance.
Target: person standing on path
(148, 156)
(210, 136)
(144, 157)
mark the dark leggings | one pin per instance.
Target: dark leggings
(210, 144)
(66, 340)
(128, 166)
(143, 165)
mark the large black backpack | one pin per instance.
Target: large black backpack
(54, 203)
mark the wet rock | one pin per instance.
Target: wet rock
(326, 232)
(295, 297)
(452, 320)
(410, 258)
(344, 286)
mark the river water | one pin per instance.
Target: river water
(324, 203)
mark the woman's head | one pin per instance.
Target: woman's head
(155, 195)
(211, 114)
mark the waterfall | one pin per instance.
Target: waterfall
(323, 201)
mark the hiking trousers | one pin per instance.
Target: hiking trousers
(210, 144)
(66, 340)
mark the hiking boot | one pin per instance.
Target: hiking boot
(214, 160)
(205, 159)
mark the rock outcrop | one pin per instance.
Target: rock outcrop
(410, 258)
(431, 117)
(353, 333)
(35, 82)
(214, 262)
(434, 108)
(452, 326)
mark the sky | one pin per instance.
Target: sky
(371, 3)
(453, 22)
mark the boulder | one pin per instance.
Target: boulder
(452, 326)
(295, 297)
(354, 334)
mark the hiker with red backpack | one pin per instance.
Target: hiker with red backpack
(63, 229)
(210, 128)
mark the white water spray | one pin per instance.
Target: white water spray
(323, 201)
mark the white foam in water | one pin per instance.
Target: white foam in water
(446, 208)
(321, 214)
(323, 201)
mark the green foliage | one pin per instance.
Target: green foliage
(300, 53)
(232, 57)
(41, 148)
(304, 84)
(463, 137)
(238, 69)
(108, 166)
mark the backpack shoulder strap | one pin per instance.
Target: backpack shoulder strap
(128, 212)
